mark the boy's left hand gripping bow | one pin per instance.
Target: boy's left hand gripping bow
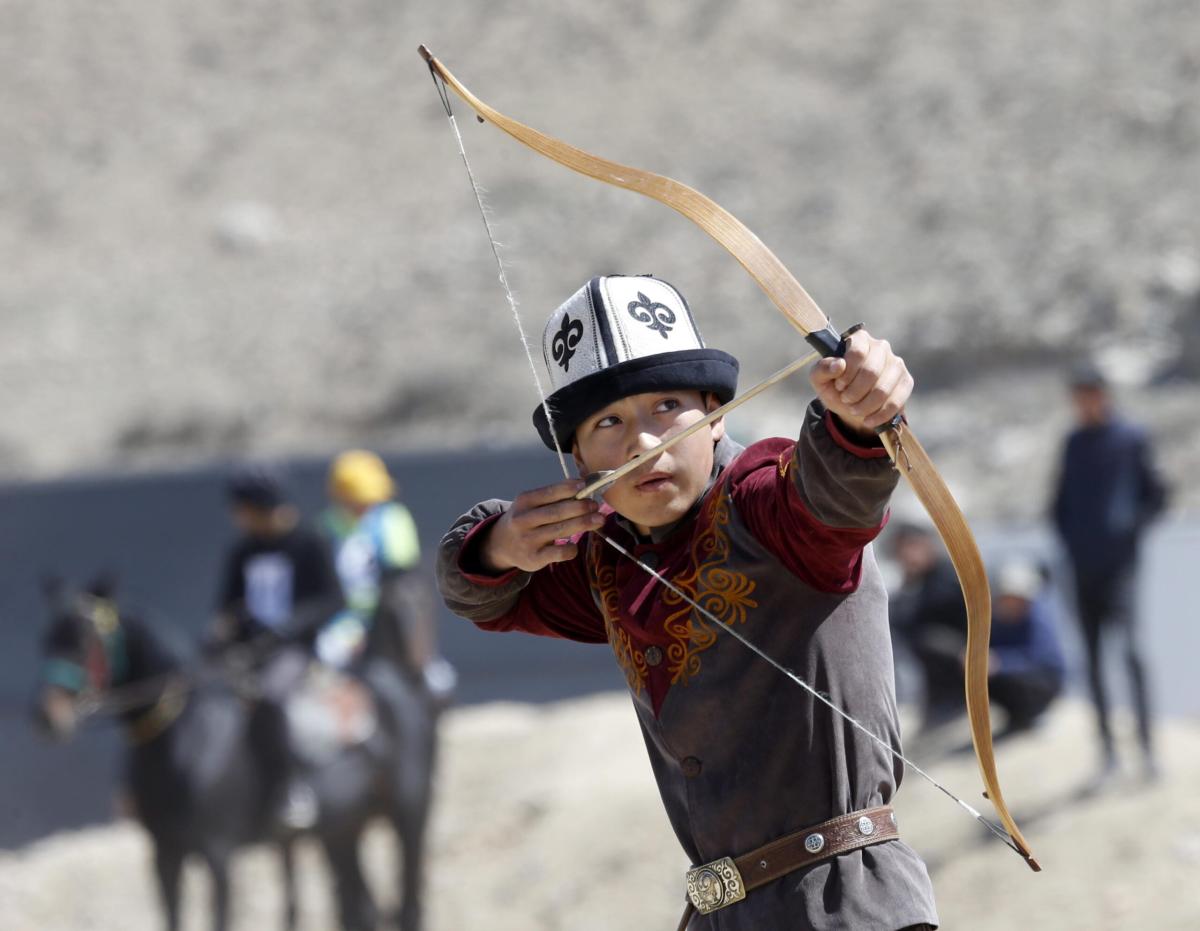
(804, 314)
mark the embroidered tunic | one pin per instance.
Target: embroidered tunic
(777, 547)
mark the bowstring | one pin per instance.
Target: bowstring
(818, 695)
(444, 95)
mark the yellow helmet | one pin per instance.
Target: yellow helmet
(359, 477)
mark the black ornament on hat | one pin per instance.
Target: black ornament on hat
(565, 341)
(659, 317)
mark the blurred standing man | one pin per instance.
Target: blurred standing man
(378, 558)
(1108, 493)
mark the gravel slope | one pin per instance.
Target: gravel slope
(245, 226)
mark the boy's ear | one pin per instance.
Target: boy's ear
(711, 403)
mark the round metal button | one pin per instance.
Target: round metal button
(814, 843)
(866, 827)
(691, 766)
(654, 656)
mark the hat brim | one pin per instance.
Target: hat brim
(700, 369)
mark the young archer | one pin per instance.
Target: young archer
(772, 540)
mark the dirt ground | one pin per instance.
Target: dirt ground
(547, 819)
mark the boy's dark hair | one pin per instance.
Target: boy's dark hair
(258, 486)
(1088, 375)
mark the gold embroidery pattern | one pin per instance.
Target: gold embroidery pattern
(632, 661)
(711, 585)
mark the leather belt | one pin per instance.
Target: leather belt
(727, 880)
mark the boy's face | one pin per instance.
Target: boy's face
(262, 522)
(250, 520)
(664, 489)
(1091, 404)
(916, 554)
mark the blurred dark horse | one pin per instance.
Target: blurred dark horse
(192, 775)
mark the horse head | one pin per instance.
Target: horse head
(83, 654)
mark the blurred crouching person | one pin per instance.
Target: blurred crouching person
(1026, 666)
(389, 605)
(279, 588)
(1108, 493)
(929, 618)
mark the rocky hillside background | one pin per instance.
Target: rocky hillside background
(244, 227)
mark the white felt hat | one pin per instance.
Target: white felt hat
(620, 335)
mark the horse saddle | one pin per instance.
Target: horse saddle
(328, 713)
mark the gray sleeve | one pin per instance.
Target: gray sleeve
(464, 595)
(841, 488)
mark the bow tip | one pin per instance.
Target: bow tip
(423, 51)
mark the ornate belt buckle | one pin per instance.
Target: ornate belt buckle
(715, 885)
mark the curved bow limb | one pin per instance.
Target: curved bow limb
(803, 313)
(764, 267)
(927, 483)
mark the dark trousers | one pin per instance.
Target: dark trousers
(938, 651)
(1024, 695)
(279, 676)
(1105, 606)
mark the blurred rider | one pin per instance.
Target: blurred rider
(279, 579)
(377, 556)
(279, 588)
